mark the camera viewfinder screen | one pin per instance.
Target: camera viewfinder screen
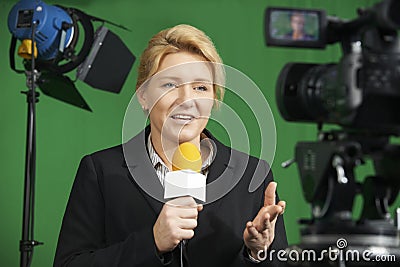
(293, 27)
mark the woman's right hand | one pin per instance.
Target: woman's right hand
(176, 222)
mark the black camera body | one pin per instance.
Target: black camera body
(360, 93)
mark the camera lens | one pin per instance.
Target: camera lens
(306, 92)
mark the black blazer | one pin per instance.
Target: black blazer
(109, 218)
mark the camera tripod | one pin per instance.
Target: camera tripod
(332, 237)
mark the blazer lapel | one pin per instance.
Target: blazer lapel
(220, 179)
(221, 159)
(142, 172)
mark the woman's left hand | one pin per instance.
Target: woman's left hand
(260, 232)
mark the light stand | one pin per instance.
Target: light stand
(103, 61)
(27, 242)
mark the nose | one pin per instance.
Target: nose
(185, 95)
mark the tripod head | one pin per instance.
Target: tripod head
(327, 171)
(329, 184)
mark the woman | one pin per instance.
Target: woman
(297, 23)
(116, 215)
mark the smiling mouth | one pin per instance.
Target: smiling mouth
(183, 117)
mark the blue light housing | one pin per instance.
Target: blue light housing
(49, 28)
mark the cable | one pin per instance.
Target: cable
(181, 254)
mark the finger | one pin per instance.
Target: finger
(267, 222)
(199, 207)
(269, 218)
(249, 224)
(188, 224)
(283, 205)
(184, 202)
(185, 234)
(252, 230)
(269, 194)
(274, 211)
(262, 226)
(187, 213)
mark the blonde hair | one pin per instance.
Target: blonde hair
(176, 39)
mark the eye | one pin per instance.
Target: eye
(202, 88)
(169, 85)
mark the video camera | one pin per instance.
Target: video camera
(360, 93)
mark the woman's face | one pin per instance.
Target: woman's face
(179, 98)
(297, 23)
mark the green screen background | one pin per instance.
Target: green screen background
(65, 133)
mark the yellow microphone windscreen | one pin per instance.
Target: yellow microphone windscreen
(187, 157)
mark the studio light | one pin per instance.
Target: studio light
(103, 60)
(52, 44)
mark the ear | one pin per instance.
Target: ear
(141, 96)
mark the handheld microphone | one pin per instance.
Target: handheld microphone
(185, 178)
